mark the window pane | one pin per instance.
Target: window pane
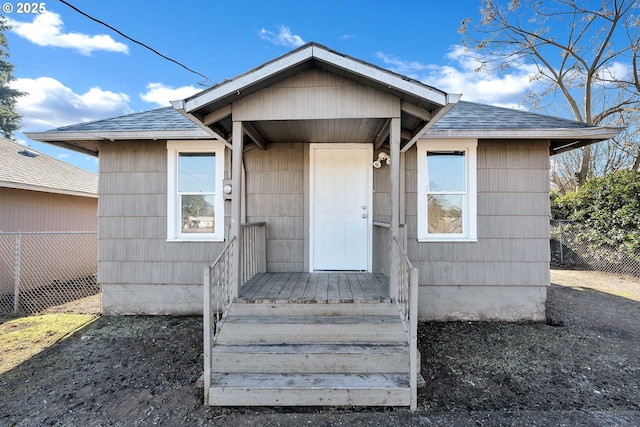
(198, 214)
(444, 213)
(446, 171)
(197, 173)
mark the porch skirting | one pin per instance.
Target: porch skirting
(480, 303)
(435, 303)
(164, 299)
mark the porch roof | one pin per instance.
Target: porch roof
(420, 105)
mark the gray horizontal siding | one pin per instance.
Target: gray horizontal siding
(114, 227)
(133, 156)
(138, 204)
(151, 249)
(275, 194)
(483, 273)
(510, 204)
(121, 183)
(511, 181)
(150, 272)
(485, 250)
(132, 211)
(513, 221)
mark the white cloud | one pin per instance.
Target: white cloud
(46, 30)
(413, 69)
(49, 104)
(283, 38)
(161, 95)
(459, 75)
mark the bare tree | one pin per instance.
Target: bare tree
(585, 62)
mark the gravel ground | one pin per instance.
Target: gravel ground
(581, 368)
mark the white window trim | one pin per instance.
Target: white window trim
(470, 208)
(173, 208)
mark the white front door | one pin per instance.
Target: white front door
(340, 206)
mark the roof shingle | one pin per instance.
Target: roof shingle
(472, 116)
(39, 172)
(166, 118)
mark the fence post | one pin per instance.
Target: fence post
(16, 274)
(561, 244)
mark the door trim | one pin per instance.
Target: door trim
(340, 146)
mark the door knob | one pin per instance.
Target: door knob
(364, 215)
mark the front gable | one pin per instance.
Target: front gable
(316, 94)
(315, 83)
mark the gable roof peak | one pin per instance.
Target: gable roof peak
(307, 56)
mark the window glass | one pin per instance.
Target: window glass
(444, 213)
(197, 173)
(198, 214)
(447, 190)
(195, 206)
(446, 186)
(446, 171)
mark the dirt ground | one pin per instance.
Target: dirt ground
(580, 368)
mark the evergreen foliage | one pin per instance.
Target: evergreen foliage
(9, 119)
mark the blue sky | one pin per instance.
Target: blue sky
(77, 70)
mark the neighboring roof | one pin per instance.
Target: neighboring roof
(26, 169)
(472, 120)
(161, 123)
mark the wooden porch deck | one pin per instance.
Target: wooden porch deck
(316, 287)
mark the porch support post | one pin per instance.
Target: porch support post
(394, 153)
(236, 204)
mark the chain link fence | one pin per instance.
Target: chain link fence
(44, 269)
(572, 245)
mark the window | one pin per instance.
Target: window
(195, 207)
(447, 190)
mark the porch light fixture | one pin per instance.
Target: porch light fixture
(382, 157)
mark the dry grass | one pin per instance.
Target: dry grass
(615, 284)
(23, 337)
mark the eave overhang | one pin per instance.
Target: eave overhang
(43, 189)
(561, 139)
(89, 142)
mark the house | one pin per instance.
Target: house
(40, 193)
(323, 179)
(42, 198)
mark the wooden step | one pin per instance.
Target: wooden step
(308, 358)
(314, 309)
(309, 390)
(305, 329)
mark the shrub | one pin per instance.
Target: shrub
(609, 207)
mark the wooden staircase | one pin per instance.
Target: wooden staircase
(288, 354)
